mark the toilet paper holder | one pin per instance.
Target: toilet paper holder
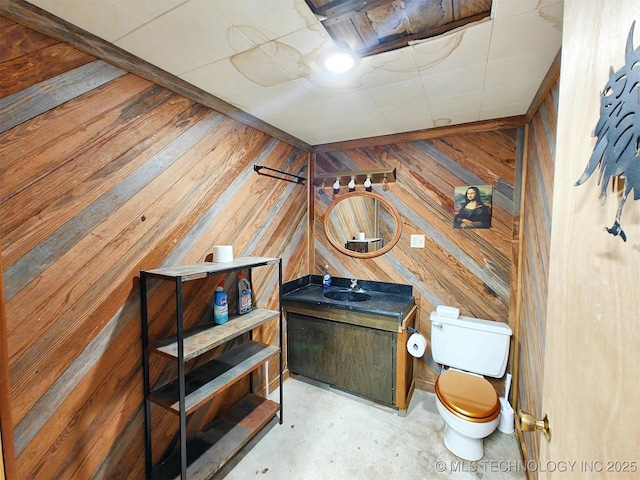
(416, 343)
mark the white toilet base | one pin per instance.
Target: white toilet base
(464, 438)
(464, 447)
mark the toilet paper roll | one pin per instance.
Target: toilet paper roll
(416, 345)
(223, 253)
(360, 235)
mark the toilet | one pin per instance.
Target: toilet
(469, 349)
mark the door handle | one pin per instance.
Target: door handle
(528, 423)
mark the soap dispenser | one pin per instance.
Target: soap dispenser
(326, 277)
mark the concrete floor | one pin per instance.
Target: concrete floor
(331, 435)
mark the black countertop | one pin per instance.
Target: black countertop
(387, 299)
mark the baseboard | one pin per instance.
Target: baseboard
(424, 385)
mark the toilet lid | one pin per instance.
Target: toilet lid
(468, 396)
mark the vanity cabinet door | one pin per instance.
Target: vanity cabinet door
(311, 349)
(357, 359)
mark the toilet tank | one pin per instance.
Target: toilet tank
(470, 344)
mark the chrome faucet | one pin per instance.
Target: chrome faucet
(354, 285)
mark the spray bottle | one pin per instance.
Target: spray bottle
(220, 307)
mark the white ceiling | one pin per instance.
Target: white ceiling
(261, 56)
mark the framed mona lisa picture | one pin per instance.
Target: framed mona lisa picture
(472, 206)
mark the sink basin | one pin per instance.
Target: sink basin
(347, 296)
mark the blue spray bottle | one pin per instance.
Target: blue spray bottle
(220, 307)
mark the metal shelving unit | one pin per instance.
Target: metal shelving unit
(202, 455)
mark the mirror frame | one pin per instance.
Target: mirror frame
(383, 201)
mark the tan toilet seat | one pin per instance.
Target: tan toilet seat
(469, 397)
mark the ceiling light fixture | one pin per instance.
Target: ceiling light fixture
(339, 59)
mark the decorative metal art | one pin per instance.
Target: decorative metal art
(617, 149)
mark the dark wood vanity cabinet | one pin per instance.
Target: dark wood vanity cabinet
(354, 358)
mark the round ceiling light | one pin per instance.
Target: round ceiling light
(339, 60)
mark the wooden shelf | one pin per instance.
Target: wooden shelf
(200, 454)
(203, 338)
(209, 450)
(214, 377)
(205, 269)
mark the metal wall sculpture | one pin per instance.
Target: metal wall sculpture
(617, 148)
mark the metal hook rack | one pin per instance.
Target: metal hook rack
(294, 179)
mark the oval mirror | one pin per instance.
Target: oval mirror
(362, 224)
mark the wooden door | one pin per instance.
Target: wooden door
(592, 348)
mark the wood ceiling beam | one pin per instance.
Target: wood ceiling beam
(339, 11)
(41, 21)
(404, 41)
(473, 127)
(545, 87)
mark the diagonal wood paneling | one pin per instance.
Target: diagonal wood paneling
(104, 174)
(536, 236)
(469, 269)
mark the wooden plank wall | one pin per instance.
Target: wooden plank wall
(104, 174)
(469, 269)
(534, 270)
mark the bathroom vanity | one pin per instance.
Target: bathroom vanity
(353, 339)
